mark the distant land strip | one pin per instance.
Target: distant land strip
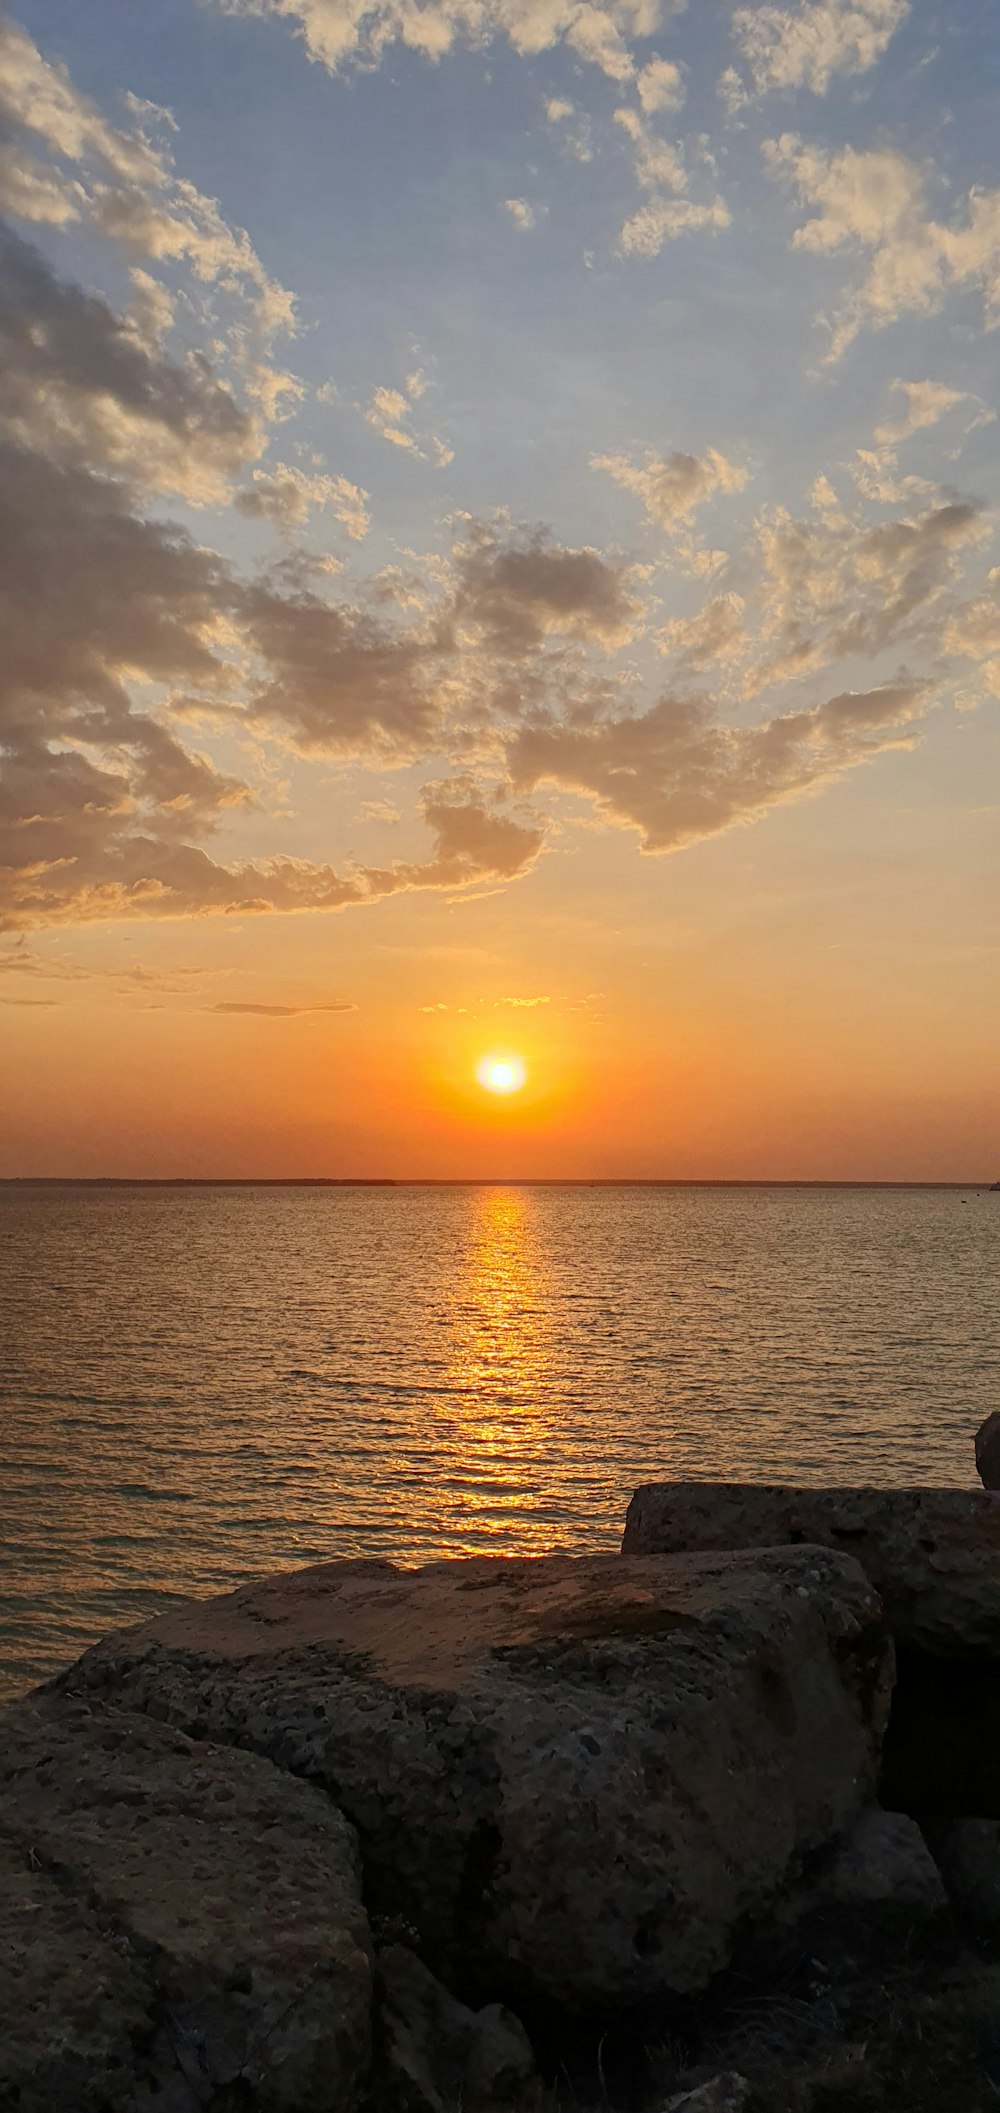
(450, 1181)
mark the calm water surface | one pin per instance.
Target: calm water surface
(196, 1385)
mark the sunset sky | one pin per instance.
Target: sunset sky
(500, 560)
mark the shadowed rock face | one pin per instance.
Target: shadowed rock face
(181, 1927)
(933, 1555)
(574, 1779)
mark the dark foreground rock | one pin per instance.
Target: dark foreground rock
(933, 1555)
(574, 1779)
(934, 1558)
(181, 1927)
(967, 1852)
(436, 2055)
(988, 1451)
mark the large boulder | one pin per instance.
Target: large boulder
(573, 1779)
(182, 1926)
(933, 1555)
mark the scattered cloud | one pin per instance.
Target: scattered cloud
(660, 86)
(671, 487)
(120, 180)
(925, 404)
(522, 214)
(388, 410)
(876, 201)
(287, 497)
(660, 170)
(342, 33)
(810, 45)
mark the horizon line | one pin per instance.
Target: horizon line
(461, 1181)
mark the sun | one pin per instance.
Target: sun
(501, 1074)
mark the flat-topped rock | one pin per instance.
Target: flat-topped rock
(181, 1926)
(933, 1555)
(573, 1779)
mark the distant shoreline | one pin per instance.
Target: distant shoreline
(450, 1181)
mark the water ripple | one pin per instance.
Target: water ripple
(200, 1385)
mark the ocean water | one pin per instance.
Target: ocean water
(197, 1385)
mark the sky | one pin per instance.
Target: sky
(499, 559)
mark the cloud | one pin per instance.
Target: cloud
(279, 1012)
(876, 201)
(717, 632)
(340, 33)
(287, 497)
(77, 382)
(387, 411)
(676, 774)
(670, 487)
(660, 169)
(834, 585)
(812, 44)
(519, 593)
(660, 86)
(119, 181)
(926, 403)
(522, 214)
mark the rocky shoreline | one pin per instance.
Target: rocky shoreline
(714, 1823)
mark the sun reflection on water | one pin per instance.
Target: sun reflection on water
(502, 1364)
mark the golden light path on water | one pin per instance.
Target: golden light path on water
(200, 1385)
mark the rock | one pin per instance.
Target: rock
(885, 1870)
(988, 1451)
(436, 2055)
(967, 1853)
(933, 1555)
(725, 2094)
(182, 1926)
(573, 1778)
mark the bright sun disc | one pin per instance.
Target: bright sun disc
(501, 1074)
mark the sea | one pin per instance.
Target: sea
(202, 1383)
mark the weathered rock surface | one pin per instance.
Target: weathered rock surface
(988, 1451)
(967, 1853)
(575, 1779)
(181, 1925)
(436, 2055)
(933, 1555)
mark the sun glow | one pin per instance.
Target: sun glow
(501, 1074)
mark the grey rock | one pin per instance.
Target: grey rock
(180, 1926)
(933, 1555)
(724, 2094)
(967, 1853)
(437, 2056)
(574, 1779)
(885, 1869)
(988, 1451)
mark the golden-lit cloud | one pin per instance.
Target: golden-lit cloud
(809, 45)
(343, 32)
(120, 180)
(876, 200)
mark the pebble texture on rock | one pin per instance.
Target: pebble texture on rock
(574, 1778)
(932, 1554)
(182, 1925)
